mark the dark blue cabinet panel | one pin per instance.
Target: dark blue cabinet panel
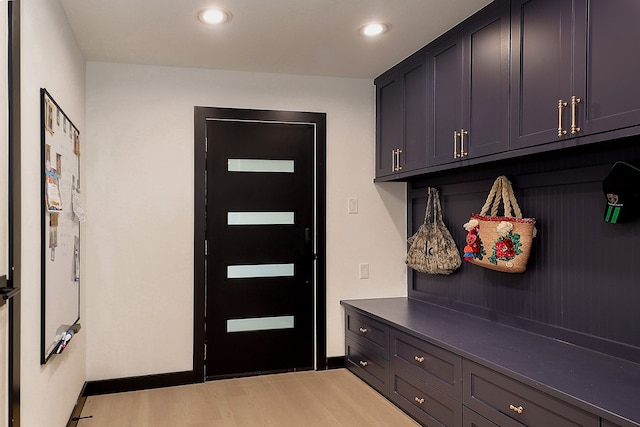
(388, 92)
(424, 403)
(612, 97)
(438, 368)
(574, 69)
(517, 78)
(401, 118)
(445, 100)
(543, 77)
(414, 107)
(473, 419)
(485, 106)
(469, 78)
(367, 364)
(511, 403)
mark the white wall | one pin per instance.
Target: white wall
(138, 247)
(51, 60)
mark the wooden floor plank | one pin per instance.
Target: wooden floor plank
(301, 399)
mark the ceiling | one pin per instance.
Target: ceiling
(308, 37)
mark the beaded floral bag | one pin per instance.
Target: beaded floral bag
(501, 243)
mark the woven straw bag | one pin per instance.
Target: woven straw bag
(433, 250)
(501, 243)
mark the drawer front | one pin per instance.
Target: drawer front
(607, 423)
(511, 403)
(473, 419)
(368, 365)
(427, 405)
(365, 329)
(433, 365)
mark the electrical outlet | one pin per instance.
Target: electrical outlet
(364, 270)
(353, 206)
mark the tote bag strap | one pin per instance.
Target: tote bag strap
(496, 190)
(428, 214)
(502, 191)
(437, 208)
(509, 199)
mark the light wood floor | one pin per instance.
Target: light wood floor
(301, 399)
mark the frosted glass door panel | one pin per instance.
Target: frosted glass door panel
(260, 324)
(260, 165)
(260, 218)
(259, 270)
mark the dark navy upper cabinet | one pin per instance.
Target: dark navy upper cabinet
(388, 112)
(445, 97)
(469, 77)
(401, 118)
(547, 41)
(612, 97)
(518, 77)
(574, 70)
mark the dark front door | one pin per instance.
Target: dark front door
(260, 225)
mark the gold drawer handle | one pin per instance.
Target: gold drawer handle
(574, 102)
(561, 130)
(364, 330)
(518, 409)
(419, 400)
(463, 133)
(419, 359)
(363, 363)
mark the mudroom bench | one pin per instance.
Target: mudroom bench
(447, 368)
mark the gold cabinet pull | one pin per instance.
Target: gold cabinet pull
(456, 134)
(419, 400)
(574, 107)
(561, 130)
(393, 160)
(364, 363)
(418, 359)
(364, 330)
(518, 409)
(462, 135)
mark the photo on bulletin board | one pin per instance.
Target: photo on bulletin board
(62, 214)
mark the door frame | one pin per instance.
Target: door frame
(201, 115)
(14, 213)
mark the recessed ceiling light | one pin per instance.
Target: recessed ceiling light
(214, 16)
(374, 29)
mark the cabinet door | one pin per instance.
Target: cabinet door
(367, 364)
(425, 404)
(472, 419)
(611, 97)
(445, 104)
(388, 103)
(485, 99)
(364, 329)
(414, 107)
(510, 403)
(543, 52)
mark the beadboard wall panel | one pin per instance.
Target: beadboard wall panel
(581, 283)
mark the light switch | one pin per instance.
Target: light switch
(364, 270)
(353, 205)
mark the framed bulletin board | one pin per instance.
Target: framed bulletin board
(61, 216)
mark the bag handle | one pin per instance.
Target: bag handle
(433, 212)
(502, 191)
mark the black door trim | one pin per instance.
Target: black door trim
(201, 114)
(14, 213)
